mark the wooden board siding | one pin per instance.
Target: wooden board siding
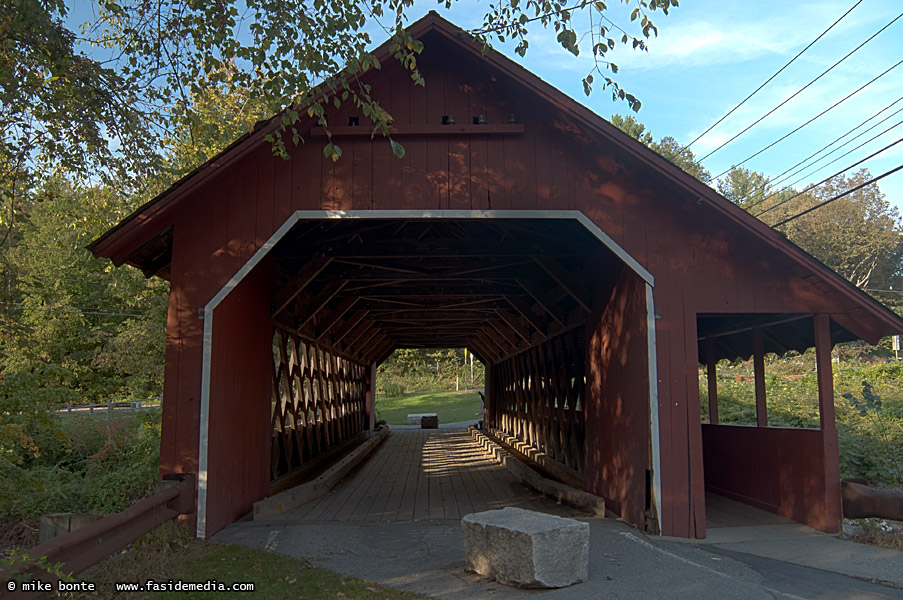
(241, 380)
(776, 469)
(617, 403)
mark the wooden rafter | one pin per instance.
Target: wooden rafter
(565, 279)
(296, 285)
(311, 304)
(526, 311)
(432, 283)
(334, 315)
(543, 299)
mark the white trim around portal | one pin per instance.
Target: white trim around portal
(313, 215)
(653, 408)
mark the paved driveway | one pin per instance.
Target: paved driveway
(396, 521)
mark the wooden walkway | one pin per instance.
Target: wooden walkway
(425, 475)
(723, 512)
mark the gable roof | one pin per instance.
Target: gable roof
(144, 238)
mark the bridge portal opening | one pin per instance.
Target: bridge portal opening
(554, 312)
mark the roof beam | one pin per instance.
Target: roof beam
(494, 348)
(542, 298)
(314, 303)
(347, 325)
(565, 279)
(516, 326)
(334, 315)
(507, 334)
(357, 332)
(436, 248)
(526, 311)
(296, 285)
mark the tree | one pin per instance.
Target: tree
(667, 147)
(633, 128)
(682, 157)
(745, 187)
(93, 331)
(860, 235)
(99, 103)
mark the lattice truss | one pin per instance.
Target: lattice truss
(540, 395)
(318, 401)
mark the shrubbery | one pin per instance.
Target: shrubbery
(83, 464)
(393, 390)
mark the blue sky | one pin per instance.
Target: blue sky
(710, 54)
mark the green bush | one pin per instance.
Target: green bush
(393, 390)
(92, 465)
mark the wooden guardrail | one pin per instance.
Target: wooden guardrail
(75, 552)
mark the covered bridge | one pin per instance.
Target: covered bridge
(591, 276)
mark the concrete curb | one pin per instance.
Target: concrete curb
(298, 495)
(554, 490)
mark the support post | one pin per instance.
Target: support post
(371, 397)
(828, 425)
(712, 380)
(489, 396)
(759, 368)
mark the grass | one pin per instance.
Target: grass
(273, 575)
(452, 407)
(168, 553)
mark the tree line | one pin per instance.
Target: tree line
(859, 236)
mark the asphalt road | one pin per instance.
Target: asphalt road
(428, 557)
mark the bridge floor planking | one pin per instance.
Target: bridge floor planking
(420, 475)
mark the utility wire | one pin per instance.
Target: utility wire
(850, 141)
(74, 309)
(839, 196)
(780, 177)
(844, 155)
(819, 115)
(826, 179)
(758, 89)
(848, 152)
(802, 89)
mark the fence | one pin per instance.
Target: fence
(111, 406)
(75, 552)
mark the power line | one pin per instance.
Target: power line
(780, 177)
(86, 310)
(844, 155)
(826, 179)
(756, 91)
(839, 196)
(847, 153)
(819, 115)
(802, 89)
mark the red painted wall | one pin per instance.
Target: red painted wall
(241, 387)
(617, 398)
(777, 469)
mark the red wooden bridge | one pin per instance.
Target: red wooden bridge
(591, 276)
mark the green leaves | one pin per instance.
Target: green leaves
(397, 149)
(332, 151)
(568, 40)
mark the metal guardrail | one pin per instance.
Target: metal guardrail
(111, 406)
(87, 546)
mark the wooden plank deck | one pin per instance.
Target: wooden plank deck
(723, 512)
(425, 475)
